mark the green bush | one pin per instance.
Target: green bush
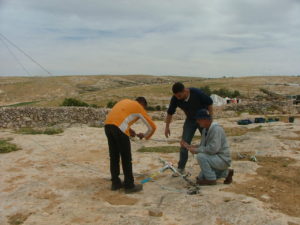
(94, 106)
(157, 108)
(150, 108)
(206, 89)
(111, 104)
(74, 102)
(223, 92)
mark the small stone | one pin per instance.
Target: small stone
(265, 197)
(155, 213)
(246, 201)
(227, 199)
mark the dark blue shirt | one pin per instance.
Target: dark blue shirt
(198, 100)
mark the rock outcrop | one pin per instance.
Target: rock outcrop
(16, 117)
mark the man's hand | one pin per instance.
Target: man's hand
(167, 131)
(140, 135)
(184, 144)
(132, 133)
(190, 148)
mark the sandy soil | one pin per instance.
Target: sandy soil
(64, 179)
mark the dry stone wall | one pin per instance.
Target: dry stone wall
(17, 117)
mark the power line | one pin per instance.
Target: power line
(14, 56)
(28, 56)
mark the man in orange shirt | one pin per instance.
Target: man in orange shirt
(117, 129)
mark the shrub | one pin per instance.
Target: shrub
(74, 102)
(157, 108)
(223, 92)
(110, 104)
(206, 89)
(150, 108)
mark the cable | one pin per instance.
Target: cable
(10, 42)
(14, 56)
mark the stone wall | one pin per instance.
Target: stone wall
(16, 117)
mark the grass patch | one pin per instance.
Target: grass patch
(48, 131)
(160, 149)
(6, 146)
(289, 138)
(21, 104)
(18, 218)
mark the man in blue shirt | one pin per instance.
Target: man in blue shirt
(190, 100)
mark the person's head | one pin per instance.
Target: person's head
(142, 101)
(179, 91)
(203, 118)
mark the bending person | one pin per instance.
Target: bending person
(117, 129)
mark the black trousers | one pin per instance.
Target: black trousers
(119, 146)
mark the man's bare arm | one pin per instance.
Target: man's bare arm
(168, 121)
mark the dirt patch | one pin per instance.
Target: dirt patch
(13, 179)
(18, 218)
(277, 183)
(239, 131)
(222, 222)
(14, 169)
(114, 198)
(243, 156)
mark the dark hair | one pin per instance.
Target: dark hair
(177, 87)
(142, 100)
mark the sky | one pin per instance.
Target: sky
(172, 37)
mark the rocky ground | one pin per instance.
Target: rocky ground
(64, 179)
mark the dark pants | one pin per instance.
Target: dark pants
(189, 129)
(119, 145)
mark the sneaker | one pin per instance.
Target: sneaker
(134, 189)
(181, 171)
(228, 179)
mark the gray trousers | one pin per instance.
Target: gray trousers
(212, 167)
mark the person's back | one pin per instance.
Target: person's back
(117, 129)
(125, 113)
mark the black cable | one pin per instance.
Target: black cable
(14, 56)
(10, 42)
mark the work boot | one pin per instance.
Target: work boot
(116, 185)
(204, 182)
(134, 189)
(181, 171)
(228, 179)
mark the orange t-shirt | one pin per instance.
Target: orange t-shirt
(125, 113)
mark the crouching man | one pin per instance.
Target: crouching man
(117, 129)
(213, 154)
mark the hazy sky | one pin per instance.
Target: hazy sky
(168, 37)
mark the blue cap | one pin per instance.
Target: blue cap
(202, 114)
